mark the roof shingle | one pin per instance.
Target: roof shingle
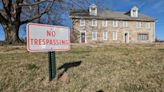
(107, 14)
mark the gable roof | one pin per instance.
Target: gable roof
(107, 14)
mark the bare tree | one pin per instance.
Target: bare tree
(18, 12)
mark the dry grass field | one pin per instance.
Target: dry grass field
(87, 68)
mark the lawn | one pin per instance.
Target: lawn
(85, 68)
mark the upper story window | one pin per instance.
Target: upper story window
(93, 10)
(134, 12)
(125, 24)
(94, 22)
(115, 23)
(82, 22)
(105, 35)
(147, 25)
(94, 35)
(138, 24)
(104, 23)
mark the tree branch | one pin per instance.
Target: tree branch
(76, 3)
(7, 7)
(39, 15)
(2, 18)
(36, 3)
(18, 10)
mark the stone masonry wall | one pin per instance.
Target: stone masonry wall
(131, 29)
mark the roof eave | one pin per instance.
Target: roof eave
(97, 17)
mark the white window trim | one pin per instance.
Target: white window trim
(95, 23)
(115, 23)
(142, 37)
(115, 35)
(138, 24)
(105, 34)
(85, 36)
(93, 12)
(147, 25)
(92, 36)
(104, 23)
(81, 22)
(125, 24)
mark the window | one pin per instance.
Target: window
(114, 35)
(105, 35)
(94, 22)
(134, 12)
(125, 24)
(143, 37)
(104, 23)
(94, 35)
(138, 25)
(82, 22)
(93, 11)
(147, 25)
(115, 23)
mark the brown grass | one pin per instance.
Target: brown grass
(109, 68)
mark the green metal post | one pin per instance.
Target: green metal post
(49, 66)
(52, 65)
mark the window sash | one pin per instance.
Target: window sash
(115, 23)
(125, 24)
(94, 35)
(134, 13)
(138, 25)
(82, 22)
(147, 25)
(143, 37)
(104, 23)
(93, 11)
(94, 22)
(105, 35)
(114, 35)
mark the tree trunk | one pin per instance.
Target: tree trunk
(11, 34)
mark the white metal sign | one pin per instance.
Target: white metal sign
(45, 38)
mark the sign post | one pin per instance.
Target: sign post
(47, 38)
(52, 65)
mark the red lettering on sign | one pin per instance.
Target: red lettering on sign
(35, 41)
(51, 33)
(49, 42)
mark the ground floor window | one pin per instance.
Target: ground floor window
(114, 35)
(143, 37)
(105, 35)
(94, 35)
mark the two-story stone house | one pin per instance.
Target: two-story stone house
(106, 26)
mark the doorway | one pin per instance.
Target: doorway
(82, 37)
(126, 37)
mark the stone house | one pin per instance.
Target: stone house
(105, 26)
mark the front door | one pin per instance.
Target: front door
(82, 37)
(126, 37)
